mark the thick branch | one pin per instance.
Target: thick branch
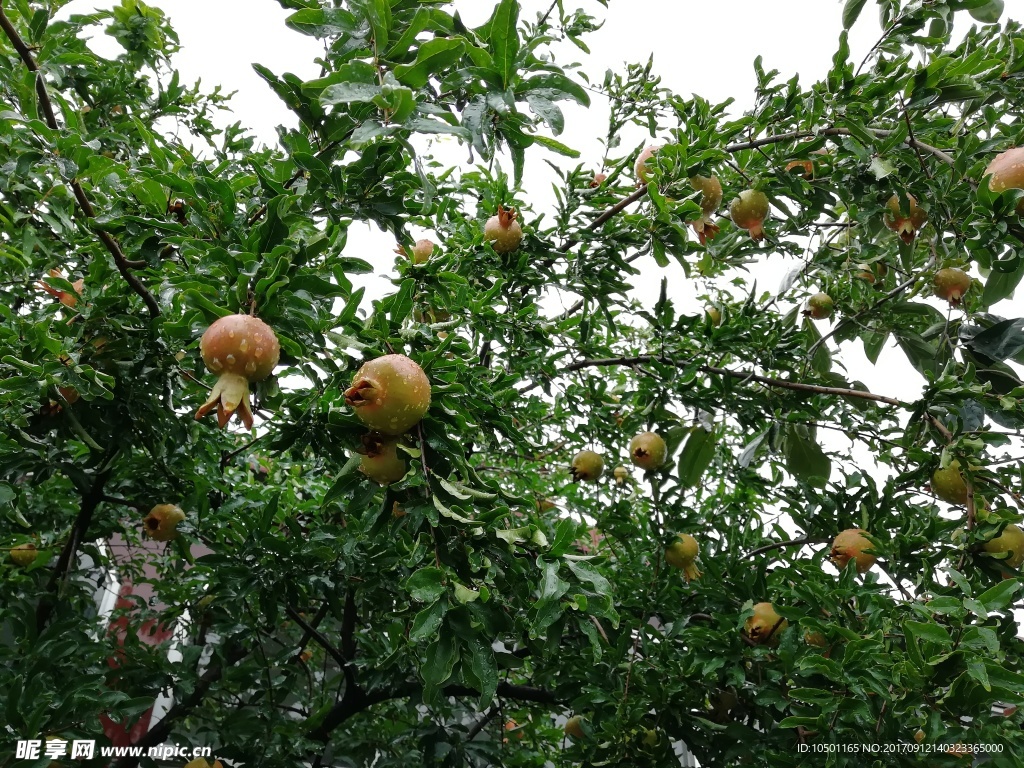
(781, 545)
(46, 105)
(320, 639)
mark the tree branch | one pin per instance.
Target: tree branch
(322, 641)
(781, 545)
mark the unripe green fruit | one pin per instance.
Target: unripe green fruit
(948, 484)
(749, 210)
(23, 555)
(587, 466)
(381, 462)
(1010, 541)
(390, 394)
(820, 306)
(951, 284)
(764, 626)
(648, 450)
(906, 225)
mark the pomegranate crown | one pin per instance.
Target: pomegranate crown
(506, 216)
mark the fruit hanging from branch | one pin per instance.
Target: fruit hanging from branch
(682, 554)
(390, 394)
(1006, 171)
(239, 349)
(587, 466)
(948, 484)
(421, 251)
(381, 462)
(905, 223)
(714, 314)
(641, 169)
(574, 727)
(1009, 543)
(161, 524)
(853, 544)
(749, 210)
(819, 306)
(710, 189)
(765, 626)
(648, 450)
(23, 555)
(503, 230)
(951, 285)
(621, 475)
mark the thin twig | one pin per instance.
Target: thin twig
(781, 545)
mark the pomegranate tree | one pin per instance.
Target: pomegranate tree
(1006, 171)
(503, 231)
(749, 210)
(648, 450)
(161, 524)
(239, 349)
(381, 462)
(765, 626)
(390, 394)
(682, 554)
(951, 285)
(904, 222)
(587, 466)
(853, 544)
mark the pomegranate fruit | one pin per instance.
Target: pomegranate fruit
(574, 727)
(819, 306)
(23, 555)
(422, 251)
(381, 462)
(648, 450)
(503, 231)
(714, 314)
(765, 626)
(948, 484)
(951, 285)
(905, 223)
(865, 273)
(1010, 542)
(641, 169)
(621, 475)
(239, 349)
(161, 524)
(512, 727)
(710, 189)
(598, 180)
(852, 544)
(587, 466)
(1006, 171)
(749, 210)
(815, 638)
(804, 168)
(682, 553)
(67, 298)
(390, 394)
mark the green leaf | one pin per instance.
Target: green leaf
(1001, 285)
(697, 454)
(851, 11)
(431, 59)
(426, 584)
(439, 660)
(555, 86)
(427, 621)
(504, 40)
(804, 458)
(1000, 596)
(989, 13)
(560, 148)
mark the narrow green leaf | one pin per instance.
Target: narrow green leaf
(504, 40)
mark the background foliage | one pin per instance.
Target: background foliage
(322, 627)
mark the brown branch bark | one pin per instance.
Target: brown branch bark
(112, 246)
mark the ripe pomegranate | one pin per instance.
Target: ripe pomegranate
(905, 224)
(238, 349)
(749, 210)
(951, 285)
(948, 484)
(1009, 542)
(852, 544)
(574, 727)
(1006, 171)
(512, 727)
(587, 466)
(865, 273)
(714, 314)
(641, 169)
(819, 306)
(503, 231)
(161, 524)
(804, 167)
(765, 626)
(422, 251)
(23, 555)
(381, 462)
(598, 180)
(648, 450)
(682, 553)
(710, 189)
(68, 299)
(621, 475)
(390, 394)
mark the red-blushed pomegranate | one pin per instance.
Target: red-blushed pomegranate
(819, 306)
(503, 231)
(238, 349)
(422, 251)
(804, 168)
(641, 169)
(951, 285)
(67, 298)
(648, 450)
(381, 462)
(161, 524)
(710, 189)
(574, 727)
(390, 394)
(512, 728)
(23, 555)
(621, 475)
(70, 394)
(587, 466)
(948, 484)
(598, 180)
(904, 223)
(1006, 171)
(201, 762)
(853, 544)
(749, 210)
(682, 554)
(865, 273)
(1010, 543)
(765, 626)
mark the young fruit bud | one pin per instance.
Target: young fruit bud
(641, 169)
(819, 306)
(397, 511)
(161, 524)
(1006, 171)
(682, 553)
(951, 285)
(749, 210)
(574, 727)
(502, 231)
(765, 626)
(239, 349)
(587, 466)
(905, 224)
(23, 555)
(381, 462)
(1010, 543)
(390, 394)
(648, 450)
(852, 544)
(948, 484)
(621, 475)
